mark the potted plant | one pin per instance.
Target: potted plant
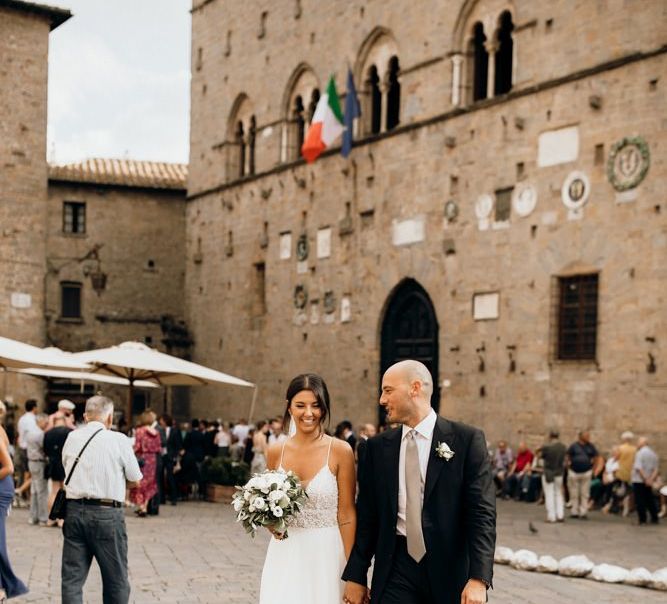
(222, 475)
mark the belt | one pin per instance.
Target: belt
(108, 503)
(36, 459)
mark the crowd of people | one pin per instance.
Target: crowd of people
(168, 464)
(581, 478)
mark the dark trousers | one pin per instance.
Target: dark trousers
(94, 532)
(170, 478)
(408, 580)
(644, 501)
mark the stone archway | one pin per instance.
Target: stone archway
(410, 331)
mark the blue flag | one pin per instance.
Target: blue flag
(352, 110)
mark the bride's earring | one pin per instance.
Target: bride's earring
(292, 426)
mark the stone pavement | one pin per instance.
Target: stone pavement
(196, 553)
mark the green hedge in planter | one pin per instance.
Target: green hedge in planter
(225, 472)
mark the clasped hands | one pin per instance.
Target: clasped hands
(356, 593)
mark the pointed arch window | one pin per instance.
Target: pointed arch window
(504, 55)
(480, 63)
(393, 94)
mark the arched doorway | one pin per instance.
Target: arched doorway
(410, 331)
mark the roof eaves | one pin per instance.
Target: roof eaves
(57, 16)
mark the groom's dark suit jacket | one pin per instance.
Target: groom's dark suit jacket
(458, 515)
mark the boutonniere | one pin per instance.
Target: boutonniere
(444, 451)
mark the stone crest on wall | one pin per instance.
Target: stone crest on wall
(628, 163)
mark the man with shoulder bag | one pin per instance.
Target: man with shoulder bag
(99, 465)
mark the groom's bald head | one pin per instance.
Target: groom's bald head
(414, 371)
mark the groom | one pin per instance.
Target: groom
(426, 507)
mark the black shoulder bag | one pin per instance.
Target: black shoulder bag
(59, 507)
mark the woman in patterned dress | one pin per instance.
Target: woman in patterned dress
(146, 447)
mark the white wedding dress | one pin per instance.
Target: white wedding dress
(306, 567)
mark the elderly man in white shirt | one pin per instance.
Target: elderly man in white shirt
(95, 522)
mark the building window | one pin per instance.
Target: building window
(70, 300)
(577, 317)
(503, 205)
(299, 127)
(314, 99)
(252, 136)
(480, 63)
(374, 99)
(393, 94)
(503, 55)
(260, 289)
(240, 141)
(74, 217)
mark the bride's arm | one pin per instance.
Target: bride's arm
(347, 487)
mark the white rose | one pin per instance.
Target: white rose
(277, 511)
(238, 504)
(259, 503)
(251, 508)
(254, 482)
(276, 495)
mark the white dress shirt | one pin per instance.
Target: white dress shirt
(106, 464)
(423, 439)
(27, 423)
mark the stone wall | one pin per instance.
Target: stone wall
(23, 177)
(138, 236)
(586, 69)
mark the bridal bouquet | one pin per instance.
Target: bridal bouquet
(271, 499)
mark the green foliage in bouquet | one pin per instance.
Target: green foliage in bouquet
(271, 499)
(225, 472)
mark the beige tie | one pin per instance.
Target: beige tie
(413, 500)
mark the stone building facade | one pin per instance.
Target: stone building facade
(115, 259)
(24, 42)
(500, 216)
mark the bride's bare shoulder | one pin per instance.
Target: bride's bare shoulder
(273, 455)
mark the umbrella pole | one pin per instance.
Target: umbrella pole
(252, 405)
(4, 383)
(129, 403)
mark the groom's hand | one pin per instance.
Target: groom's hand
(474, 592)
(355, 593)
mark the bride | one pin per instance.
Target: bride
(306, 566)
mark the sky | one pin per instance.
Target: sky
(119, 81)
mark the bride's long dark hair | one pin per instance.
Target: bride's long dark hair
(314, 383)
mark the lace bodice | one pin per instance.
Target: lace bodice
(321, 507)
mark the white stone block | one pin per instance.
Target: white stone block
(503, 555)
(659, 579)
(547, 564)
(639, 576)
(608, 573)
(524, 559)
(558, 146)
(575, 566)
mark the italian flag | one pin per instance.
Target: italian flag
(327, 124)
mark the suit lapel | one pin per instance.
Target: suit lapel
(442, 432)
(392, 449)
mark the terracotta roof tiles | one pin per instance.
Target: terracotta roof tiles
(124, 173)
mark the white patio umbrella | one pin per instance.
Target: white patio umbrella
(19, 355)
(135, 361)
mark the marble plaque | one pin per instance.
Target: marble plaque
(324, 242)
(558, 146)
(412, 230)
(285, 246)
(486, 306)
